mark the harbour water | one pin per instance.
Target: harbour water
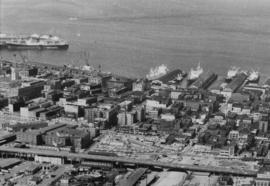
(128, 37)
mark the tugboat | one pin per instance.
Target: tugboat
(35, 42)
(195, 73)
(254, 76)
(157, 72)
(180, 77)
(232, 72)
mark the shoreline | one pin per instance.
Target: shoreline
(263, 77)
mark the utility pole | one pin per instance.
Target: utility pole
(125, 113)
(99, 68)
(1, 15)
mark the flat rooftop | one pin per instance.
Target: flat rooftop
(132, 178)
(6, 163)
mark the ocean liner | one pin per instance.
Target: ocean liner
(33, 42)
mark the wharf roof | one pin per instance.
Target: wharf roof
(236, 82)
(170, 76)
(239, 97)
(202, 79)
(217, 84)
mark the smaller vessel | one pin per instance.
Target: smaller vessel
(232, 72)
(87, 68)
(157, 72)
(195, 73)
(253, 76)
(179, 78)
(73, 18)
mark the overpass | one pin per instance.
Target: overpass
(10, 151)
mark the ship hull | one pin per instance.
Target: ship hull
(256, 80)
(36, 47)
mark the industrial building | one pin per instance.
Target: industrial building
(126, 118)
(62, 137)
(51, 112)
(26, 126)
(104, 112)
(30, 137)
(28, 91)
(15, 103)
(140, 85)
(131, 116)
(41, 109)
(34, 137)
(157, 102)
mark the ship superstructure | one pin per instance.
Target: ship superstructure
(254, 76)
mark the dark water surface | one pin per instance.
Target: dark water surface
(130, 36)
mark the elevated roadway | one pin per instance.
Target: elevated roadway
(98, 158)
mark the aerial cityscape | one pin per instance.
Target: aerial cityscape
(159, 110)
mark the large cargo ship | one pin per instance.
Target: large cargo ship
(157, 72)
(232, 72)
(32, 42)
(254, 76)
(194, 74)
